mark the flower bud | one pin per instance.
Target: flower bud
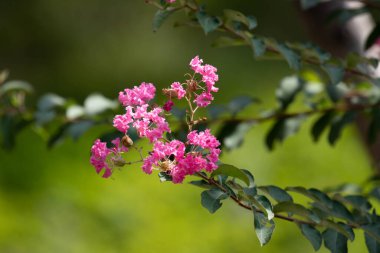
(127, 141)
(118, 161)
(165, 165)
(171, 93)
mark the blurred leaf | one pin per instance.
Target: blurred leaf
(236, 138)
(208, 23)
(58, 135)
(334, 241)
(3, 76)
(238, 104)
(77, 129)
(74, 112)
(210, 199)
(15, 85)
(287, 90)
(373, 36)
(97, 103)
(283, 129)
(321, 124)
(231, 171)
(339, 124)
(49, 101)
(372, 244)
(201, 183)
(340, 228)
(307, 4)
(340, 211)
(359, 202)
(313, 235)
(334, 72)
(227, 42)
(249, 21)
(276, 193)
(343, 15)
(160, 16)
(164, 176)
(303, 191)
(250, 177)
(258, 46)
(263, 227)
(292, 57)
(374, 126)
(7, 123)
(216, 110)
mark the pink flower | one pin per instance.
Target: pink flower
(99, 153)
(204, 99)
(203, 139)
(139, 95)
(196, 64)
(121, 122)
(168, 106)
(179, 89)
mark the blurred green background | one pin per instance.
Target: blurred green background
(53, 201)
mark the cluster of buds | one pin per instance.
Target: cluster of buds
(175, 158)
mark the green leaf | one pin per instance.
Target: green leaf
(359, 202)
(164, 176)
(373, 245)
(210, 199)
(233, 15)
(258, 46)
(339, 124)
(77, 129)
(266, 206)
(201, 183)
(227, 42)
(307, 4)
(340, 228)
(276, 193)
(303, 191)
(58, 135)
(321, 124)
(294, 208)
(287, 90)
(263, 227)
(250, 177)
(335, 73)
(49, 101)
(334, 241)
(235, 139)
(373, 36)
(239, 103)
(208, 23)
(231, 171)
(15, 85)
(313, 235)
(292, 57)
(374, 126)
(160, 16)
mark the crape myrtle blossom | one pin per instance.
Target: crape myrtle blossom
(175, 158)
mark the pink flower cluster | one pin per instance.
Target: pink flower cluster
(171, 156)
(175, 158)
(107, 158)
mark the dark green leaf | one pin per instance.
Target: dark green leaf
(274, 134)
(160, 16)
(58, 136)
(208, 23)
(374, 126)
(263, 227)
(321, 124)
(239, 103)
(233, 15)
(258, 46)
(231, 171)
(313, 235)
(292, 57)
(164, 176)
(77, 129)
(266, 206)
(287, 90)
(201, 183)
(340, 228)
(250, 177)
(373, 36)
(303, 191)
(371, 232)
(7, 128)
(276, 193)
(49, 101)
(335, 73)
(293, 208)
(210, 199)
(359, 202)
(338, 125)
(334, 241)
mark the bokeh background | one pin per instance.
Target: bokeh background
(53, 201)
